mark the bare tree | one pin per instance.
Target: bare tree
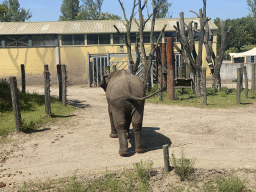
(139, 45)
(211, 57)
(187, 35)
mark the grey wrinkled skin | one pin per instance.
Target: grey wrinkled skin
(122, 91)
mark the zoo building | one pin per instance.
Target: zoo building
(36, 44)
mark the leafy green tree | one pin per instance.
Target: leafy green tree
(11, 12)
(164, 9)
(252, 7)
(69, 10)
(3, 11)
(242, 33)
(91, 10)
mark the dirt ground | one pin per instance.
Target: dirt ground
(217, 138)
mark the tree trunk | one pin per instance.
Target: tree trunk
(216, 77)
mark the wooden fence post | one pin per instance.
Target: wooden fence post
(159, 74)
(23, 78)
(60, 81)
(64, 85)
(166, 158)
(163, 61)
(253, 77)
(170, 69)
(47, 97)
(108, 70)
(246, 83)
(204, 87)
(238, 86)
(15, 103)
(114, 68)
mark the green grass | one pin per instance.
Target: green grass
(140, 179)
(32, 110)
(225, 98)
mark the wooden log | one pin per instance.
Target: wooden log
(246, 83)
(46, 68)
(238, 86)
(204, 87)
(60, 81)
(242, 72)
(23, 78)
(170, 69)
(47, 96)
(114, 68)
(108, 69)
(64, 85)
(253, 77)
(166, 158)
(163, 60)
(15, 103)
(160, 76)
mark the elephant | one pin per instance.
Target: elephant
(125, 98)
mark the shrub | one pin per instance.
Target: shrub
(183, 167)
(230, 184)
(142, 171)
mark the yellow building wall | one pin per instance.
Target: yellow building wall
(74, 57)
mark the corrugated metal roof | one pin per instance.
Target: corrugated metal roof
(84, 27)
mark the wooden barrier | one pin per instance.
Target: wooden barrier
(253, 77)
(204, 87)
(238, 86)
(60, 81)
(246, 83)
(15, 103)
(47, 96)
(166, 158)
(64, 85)
(23, 78)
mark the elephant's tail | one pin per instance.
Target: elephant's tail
(133, 98)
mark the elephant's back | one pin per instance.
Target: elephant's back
(124, 85)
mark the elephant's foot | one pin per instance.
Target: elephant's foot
(123, 152)
(113, 135)
(139, 150)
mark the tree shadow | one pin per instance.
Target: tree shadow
(30, 131)
(152, 140)
(78, 104)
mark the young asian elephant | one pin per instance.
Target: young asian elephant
(125, 97)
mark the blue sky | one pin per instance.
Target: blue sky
(49, 10)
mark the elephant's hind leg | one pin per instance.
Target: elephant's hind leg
(137, 127)
(121, 131)
(113, 133)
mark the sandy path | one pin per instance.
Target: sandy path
(218, 138)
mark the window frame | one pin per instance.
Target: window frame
(72, 41)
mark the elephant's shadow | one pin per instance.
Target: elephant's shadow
(152, 140)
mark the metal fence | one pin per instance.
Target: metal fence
(97, 64)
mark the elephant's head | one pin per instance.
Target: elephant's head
(105, 80)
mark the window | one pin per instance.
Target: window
(43, 40)
(171, 34)
(16, 41)
(146, 37)
(252, 59)
(72, 39)
(133, 37)
(92, 39)
(78, 39)
(117, 39)
(95, 39)
(104, 39)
